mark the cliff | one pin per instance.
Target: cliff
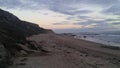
(13, 33)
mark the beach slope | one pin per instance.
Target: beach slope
(61, 51)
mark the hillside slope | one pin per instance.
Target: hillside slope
(13, 33)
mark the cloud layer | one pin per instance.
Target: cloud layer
(96, 13)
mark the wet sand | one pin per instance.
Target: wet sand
(68, 52)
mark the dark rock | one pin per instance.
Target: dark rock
(4, 57)
(24, 59)
(21, 64)
(23, 53)
(111, 47)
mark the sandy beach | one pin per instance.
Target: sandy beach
(67, 52)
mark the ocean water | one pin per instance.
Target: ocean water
(107, 39)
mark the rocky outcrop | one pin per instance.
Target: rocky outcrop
(4, 57)
(13, 33)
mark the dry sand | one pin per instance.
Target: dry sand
(67, 52)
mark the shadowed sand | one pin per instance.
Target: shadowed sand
(67, 52)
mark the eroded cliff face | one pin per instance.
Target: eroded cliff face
(13, 33)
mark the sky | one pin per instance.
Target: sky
(68, 15)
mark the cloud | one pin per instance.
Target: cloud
(60, 6)
(70, 18)
(114, 10)
(116, 23)
(61, 23)
(10, 3)
(68, 10)
(102, 3)
(68, 7)
(78, 18)
(89, 22)
(55, 3)
(107, 20)
(83, 17)
(94, 24)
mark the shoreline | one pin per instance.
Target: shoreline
(105, 43)
(97, 46)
